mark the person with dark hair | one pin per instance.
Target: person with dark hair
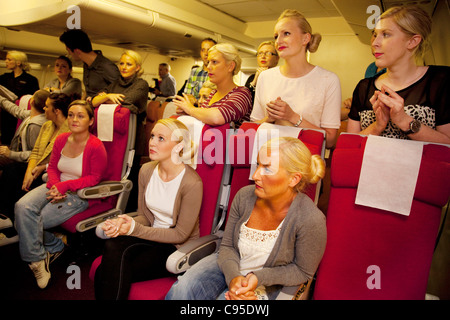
(28, 131)
(64, 82)
(78, 161)
(56, 106)
(199, 74)
(98, 71)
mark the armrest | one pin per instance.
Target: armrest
(195, 250)
(301, 292)
(105, 189)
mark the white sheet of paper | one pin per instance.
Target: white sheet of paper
(265, 132)
(105, 122)
(389, 174)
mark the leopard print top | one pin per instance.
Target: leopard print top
(427, 100)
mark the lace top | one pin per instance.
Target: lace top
(255, 247)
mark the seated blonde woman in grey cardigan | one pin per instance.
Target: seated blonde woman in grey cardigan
(275, 235)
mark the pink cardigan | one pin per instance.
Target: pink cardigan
(94, 165)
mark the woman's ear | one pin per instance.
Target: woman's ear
(232, 66)
(414, 41)
(295, 179)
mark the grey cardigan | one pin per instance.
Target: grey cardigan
(297, 251)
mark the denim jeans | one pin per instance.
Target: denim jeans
(203, 281)
(34, 214)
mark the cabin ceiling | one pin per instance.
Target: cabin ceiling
(175, 27)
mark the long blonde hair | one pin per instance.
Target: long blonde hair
(295, 157)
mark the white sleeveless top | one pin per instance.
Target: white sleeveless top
(70, 168)
(160, 198)
(255, 247)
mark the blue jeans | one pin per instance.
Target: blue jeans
(34, 213)
(203, 281)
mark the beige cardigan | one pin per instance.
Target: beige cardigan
(185, 211)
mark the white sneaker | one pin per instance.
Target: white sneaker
(5, 222)
(4, 240)
(41, 271)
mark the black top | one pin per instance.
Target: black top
(426, 100)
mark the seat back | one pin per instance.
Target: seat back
(120, 152)
(241, 150)
(373, 253)
(210, 166)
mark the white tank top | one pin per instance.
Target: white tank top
(160, 198)
(70, 168)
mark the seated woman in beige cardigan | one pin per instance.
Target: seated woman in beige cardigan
(170, 197)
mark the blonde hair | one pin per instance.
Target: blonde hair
(22, 57)
(412, 20)
(230, 53)
(304, 26)
(268, 43)
(180, 133)
(137, 59)
(295, 157)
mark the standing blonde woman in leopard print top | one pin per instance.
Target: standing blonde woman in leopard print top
(410, 100)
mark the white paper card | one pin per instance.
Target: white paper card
(389, 174)
(105, 122)
(265, 132)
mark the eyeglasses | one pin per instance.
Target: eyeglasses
(268, 53)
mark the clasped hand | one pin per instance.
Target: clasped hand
(243, 288)
(118, 226)
(388, 105)
(54, 195)
(279, 110)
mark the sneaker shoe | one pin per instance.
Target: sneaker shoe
(41, 271)
(4, 240)
(5, 222)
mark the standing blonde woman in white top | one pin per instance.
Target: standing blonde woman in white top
(298, 93)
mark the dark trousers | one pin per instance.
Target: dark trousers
(126, 260)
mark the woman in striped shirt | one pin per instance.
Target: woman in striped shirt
(229, 102)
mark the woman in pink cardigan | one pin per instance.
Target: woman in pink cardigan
(78, 160)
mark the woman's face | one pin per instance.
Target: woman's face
(219, 68)
(390, 44)
(128, 67)
(161, 145)
(49, 110)
(289, 38)
(11, 63)
(78, 119)
(62, 68)
(271, 179)
(203, 95)
(267, 56)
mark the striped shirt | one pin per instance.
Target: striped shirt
(195, 82)
(235, 107)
